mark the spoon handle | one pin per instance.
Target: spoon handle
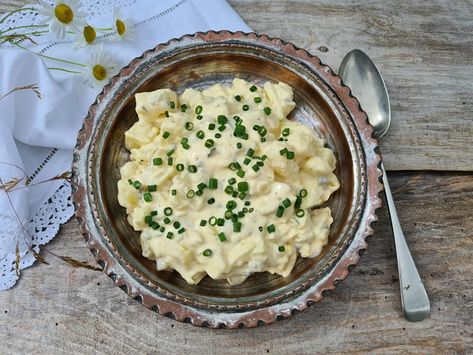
(414, 300)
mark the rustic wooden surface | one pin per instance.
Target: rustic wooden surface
(58, 309)
(425, 52)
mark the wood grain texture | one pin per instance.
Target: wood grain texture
(58, 309)
(423, 49)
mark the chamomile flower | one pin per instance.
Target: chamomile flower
(100, 67)
(62, 15)
(86, 36)
(124, 26)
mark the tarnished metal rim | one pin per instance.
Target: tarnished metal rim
(125, 277)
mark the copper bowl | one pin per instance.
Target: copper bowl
(197, 61)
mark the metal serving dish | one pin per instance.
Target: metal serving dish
(200, 60)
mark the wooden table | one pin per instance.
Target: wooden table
(425, 52)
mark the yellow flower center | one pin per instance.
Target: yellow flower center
(121, 29)
(64, 13)
(99, 71)
(89, 34)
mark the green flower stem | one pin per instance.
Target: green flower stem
(51, 58)
(104, 28)
(26, 26)
(66, 70)
(17, 10)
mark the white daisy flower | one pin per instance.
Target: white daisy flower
(63, 14)
(86, 36)
(100, 67)
(124, 26)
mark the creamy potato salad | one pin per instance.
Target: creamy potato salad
(220, 183)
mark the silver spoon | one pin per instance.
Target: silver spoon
(361, 75)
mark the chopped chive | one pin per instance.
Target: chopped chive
(220, 222)
(154, 213)
(281, 249)
(171, 152)
(147, 197)
(260, 228)
(213, 183)
(137, 185)
(244, 136)
(228, 190)
(176, 224)
(298, 202)
(182, 230)
(222, 119)
(166, 113)
(251, 209)
(241, 214)
(173, 192)
(162, 229)
(180, 167)
(235, 194)
(231, 205)
(209, 143)
(218, 135)
(211, 201)
(242, 195)
(170, 235)
(281, 139)
(243, 186)
(257, 100)
(148, 219)
(303, 193)
(285, 132)
(260, 163)
(211, 126)
(155, 225)
(190, 193)
(286, 203)
(198, 110)
(255, 168)
(290, 155)
(172, 105)
(222, 237)
(267, 110)
(201, 186)
(203, 222)
(233, 166)
(200, 134)
(238, 98)
(231, 181)
(247, 203)
(213, 221)
(253, 88)
(152, 188)
(245, 107)
(264, 157)
(199, 117)
(207, 252)
(170, 161)
(236, 118)
(130, 181)
(199, 192)
(222, 128)
(300, 213)
(239, 130)
(183, 107)
(157, 161)
(283, 151)
(192, 168)
(250, 152)
(166, 134)
(189, 126)
(280, 211)
(247, 161)
(236, 227)
(239, 145)
(168, 211)
(241, 173)
(262, 131)
(166, 220)
(255, 127)
(271, 228)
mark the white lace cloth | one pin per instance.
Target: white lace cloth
(27, 140)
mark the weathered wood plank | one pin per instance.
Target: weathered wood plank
(423, 49)
(58, 309)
